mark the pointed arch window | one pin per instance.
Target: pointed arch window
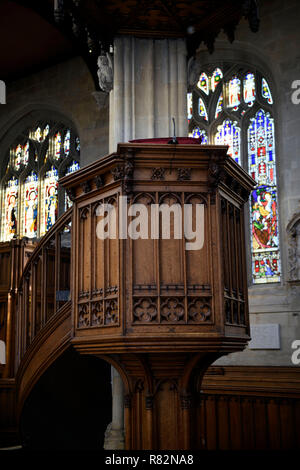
(239, 113)
(31, 199)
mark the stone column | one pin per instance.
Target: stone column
(114, 435)
(150, 86)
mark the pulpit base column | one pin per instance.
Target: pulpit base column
(160, 397)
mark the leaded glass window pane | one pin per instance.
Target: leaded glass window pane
(198, 133)
(265, 91)
(50, 198)
(234, 93)
(249, 89)
(203, 83)
(229, 133)
(202, 109)
(11, 195)
(30, 205)
(216, 78)
(219, 107)
(189, 106)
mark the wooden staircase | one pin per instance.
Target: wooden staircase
(44, 309)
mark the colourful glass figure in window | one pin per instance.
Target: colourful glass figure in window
(198, 133)
(229, 133)
(219, 107)
(26, 153)
(51, 183)
(189, 106)
(67, 142)
(265, 243)
(31, 205)
(18, 159)
(263, 211)
(234, 92)
(265, 91)
(203, 83)
(11, 209)
(249, 89)
(38, 135)
(216, 78)
(202, 109)
(264, 218)
(46, 131)
(57, 145)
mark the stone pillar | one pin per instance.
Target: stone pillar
(114, 435)
(150, 86)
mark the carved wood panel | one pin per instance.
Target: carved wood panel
(98, 268)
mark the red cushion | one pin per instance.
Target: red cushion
(165, 140)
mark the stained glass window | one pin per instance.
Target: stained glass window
(249, 89)
(31, 205)
(57, 145)
(198, 133)
(26, 153)
(71, 168)
(203, 83)
(229, 133)
(18, 156)
(67, 142)
(216, 78)
(264, 211)
(265, 91)
(249, 132)
(40, 133)
(50, 198)
(189, 106)
(234, 92)
(219, 107)
(46, 131)
(11, 208)
(202, 109)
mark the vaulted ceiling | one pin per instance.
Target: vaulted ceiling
(35, 34)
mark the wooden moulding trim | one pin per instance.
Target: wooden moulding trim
(7, 384)
(277, 381)
(49, 329)
(142, 345)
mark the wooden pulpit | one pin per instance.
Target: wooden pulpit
(159, 305)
